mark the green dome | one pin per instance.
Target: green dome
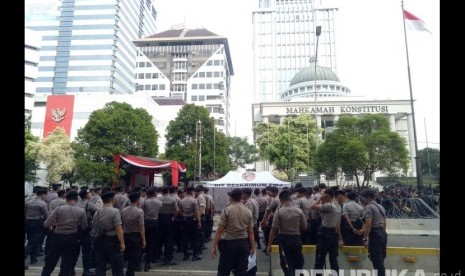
(308, 74)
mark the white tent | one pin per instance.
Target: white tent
(220, 188)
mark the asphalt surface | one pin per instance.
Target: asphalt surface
(207, 266)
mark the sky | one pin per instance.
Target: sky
(370, 49)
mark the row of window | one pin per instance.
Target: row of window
(142, 76)
(209, 74)
(150, 87)
(213, 109)
(215, 62)
(208, 48)
(201, 86)
(143, 64)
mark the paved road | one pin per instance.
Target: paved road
(207, 266)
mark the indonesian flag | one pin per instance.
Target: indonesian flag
(414, 23)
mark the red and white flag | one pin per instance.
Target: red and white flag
(414, 23)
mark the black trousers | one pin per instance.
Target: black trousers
(133, 252)
(203, 229)
(327, 243)
(86, 248)
(256, 235)
(305, 236)
(314, 226)
(48, 241)
(377, 243)
(107, 250)
(150, 239)
(234, 257)
(292, 247)
(65, 246)
(351, 239)
(266, 233)
(177, 229)
(190, 233)
(33, 231)
(208, 226)
(165, 234)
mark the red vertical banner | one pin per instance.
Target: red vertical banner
(58, 113)
(174, 173)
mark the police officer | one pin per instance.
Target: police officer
(177, 223)
(96, 200)
(134, 233)
(86, 241)
(151, 207)
(68, 220)
(200, 196)
(290, 221)
(189, 208)
(111, 246)
(60, 200)
(352, 213)
(121, 200)
(252, 205)
(375, 236)
(273, 204)
(238, 242)
(340, 197)
(315, 218)
(329, 236)
(53, 194)
(303, 204)
(36, 212)
(168, 212)
(209, 213)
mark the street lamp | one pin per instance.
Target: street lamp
(200, 149)
(317, 33)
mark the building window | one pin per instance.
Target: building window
(141, 64)
(148, 64)
(202, 86)
(141, 76)
(216, 62)
(193, 98)
(209, 86)
(194, 86)
(139, 87)
(147, 87)
(148, 75)
(201, 98)
(161, 87)
(216, 86)
(201, 74)
(155, 76)
(209, 74)
(216, 74)
(210, 63)
(154, 86)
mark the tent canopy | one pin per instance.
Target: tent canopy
(152, 164)
(235, 179)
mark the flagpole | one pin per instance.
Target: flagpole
(417, 160)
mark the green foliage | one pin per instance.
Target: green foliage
(434, 161)
(56, 153)
(116, 128)
(31, 151)
(241, 152)
(361, 146)
(290, 147)
(182, 145)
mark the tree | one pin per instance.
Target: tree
(433, 161)
(290, 146)
(117, 128)
(57, 155)
(31, 151)
(183, 142)
(362, 145)
(241, 152)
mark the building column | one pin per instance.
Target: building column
(335, 118)
(392, 122)
(318, 121)
(265, 119)
(411, 143)
(281, 119)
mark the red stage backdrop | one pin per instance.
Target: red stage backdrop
(59, 113)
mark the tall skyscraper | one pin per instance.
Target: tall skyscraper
(284, 40)
(32, 42)
(87, 45)
(192, 65)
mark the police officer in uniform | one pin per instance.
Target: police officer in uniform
(209, 213)
(252, 205)
(190, 213)
(86, 241)
(168, 212)
(352, 213)
(52, 206)
(289, 221)
(273, 204)
(134, 233)
(68, 220)
(375, 236)
(303, 204)
(109, 248)
(36, 212)
(177, 223)
(121, 200)
(200, 196)
(151, 207)
(329, 236)
(237, 226)
(96, 200)
(53, 194)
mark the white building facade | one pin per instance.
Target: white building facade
(284, 39)
(32, 43)
(87, 45)
(192, 65)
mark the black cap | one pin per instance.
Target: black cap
(134, 196)
(369, 193)
(108, 195)
(84, 188)
(83, 194)
(71, 195)
(247, 191)
(235, 192)
(41, 191)
(36, 188)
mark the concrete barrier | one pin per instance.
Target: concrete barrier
(356, 257)
(413, 227)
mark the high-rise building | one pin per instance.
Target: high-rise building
(284, 40)
(32, 42)
(87, 45)
(192, 65)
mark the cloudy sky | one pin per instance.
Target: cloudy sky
(370, 51)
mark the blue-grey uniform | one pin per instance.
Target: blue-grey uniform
(354, 212)
(36, 211)
(190, 230)
(304, 204)
(86, 241)
(166, 214)
(121, 201)
(377, 239)
(151, 207)
(328, 238)
(68, 220)
(55, 203)
(133, 220)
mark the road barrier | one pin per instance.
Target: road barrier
(356, 257)
(416, 227)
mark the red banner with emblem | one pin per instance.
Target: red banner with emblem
(58, 113)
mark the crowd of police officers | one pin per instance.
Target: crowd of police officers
(142, 226)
